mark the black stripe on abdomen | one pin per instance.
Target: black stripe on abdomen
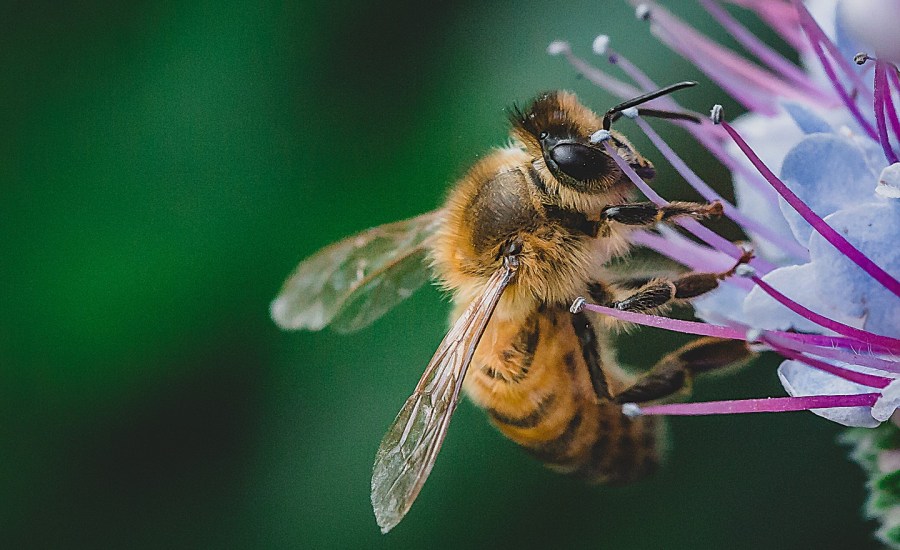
(556, 450)
(529, 420)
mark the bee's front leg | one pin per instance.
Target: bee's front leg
(647, 213)
(659, 292)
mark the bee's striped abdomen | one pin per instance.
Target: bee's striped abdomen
(535, 381)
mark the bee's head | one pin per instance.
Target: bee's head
(555, 129)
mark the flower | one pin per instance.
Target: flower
(823, 289)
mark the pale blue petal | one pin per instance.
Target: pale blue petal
(801, 380)
(874, 228)
(827, 172)
(801, 284)
(805, 119)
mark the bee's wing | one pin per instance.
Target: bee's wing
(357, 280)
(408, 450)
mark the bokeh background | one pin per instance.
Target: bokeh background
(163, 167)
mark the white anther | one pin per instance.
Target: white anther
(631, 410)
(578, 305)
(631, 112)
(558, 46)
(744, 270)
(715, 114)
(601, 43)
(642, 12)
(599, 136)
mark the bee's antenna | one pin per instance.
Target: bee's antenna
(608, 117)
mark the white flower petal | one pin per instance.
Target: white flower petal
(723, 305)
(889, 182)
(801, 380)
(888, 402)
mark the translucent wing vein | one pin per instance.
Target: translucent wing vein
(408, 450)
(353, 282)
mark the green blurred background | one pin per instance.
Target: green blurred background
(163, 167)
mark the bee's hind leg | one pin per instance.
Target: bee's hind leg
(674, 373)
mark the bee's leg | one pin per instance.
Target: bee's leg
(674, 373)
(660, 292)
(587, 339)
(647, 213)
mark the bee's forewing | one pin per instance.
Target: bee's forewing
(355, 281)
(408, 450)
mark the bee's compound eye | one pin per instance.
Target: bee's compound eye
(543, 135)
(579, 161)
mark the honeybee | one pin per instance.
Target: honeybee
(527, 229)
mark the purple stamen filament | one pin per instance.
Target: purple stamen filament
(861, 359)
(820, 42)
(794, 340)
(756, 88)
(758, 48)
(847, 374)
(596, 76)
(678, 325)
(790, 246)
(894, 79)
(780, 16)
(707, 133)
(883, 105)
(770, 404)
(836, 239)
(701, 232)
(831, 324)
(816, 35)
